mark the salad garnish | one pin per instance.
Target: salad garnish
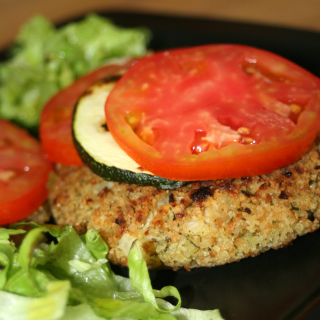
(45, 59)
(70, 278)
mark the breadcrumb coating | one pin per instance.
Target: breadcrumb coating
(201, 224)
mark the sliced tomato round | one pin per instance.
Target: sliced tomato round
(56, 117)
(24, 173)
(214, 112)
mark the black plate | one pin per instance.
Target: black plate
(277, 285)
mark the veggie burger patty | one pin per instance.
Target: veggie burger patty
(205, 223)
(263, 115)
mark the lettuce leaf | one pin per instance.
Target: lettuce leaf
(70, 278)
(45, 60)
(50, 306)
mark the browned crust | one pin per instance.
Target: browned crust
(201, 224)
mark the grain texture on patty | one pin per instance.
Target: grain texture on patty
(201, 224)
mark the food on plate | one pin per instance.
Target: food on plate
(55, 124)
(214, 112)
(91, 132)
(24, 173)
(200, 224)
(46, 59)
(209, 221)
(70, 278)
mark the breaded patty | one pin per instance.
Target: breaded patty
(201, 224)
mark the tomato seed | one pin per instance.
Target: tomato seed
(295, 108)
(247, 140)
(243, 131)
(250, 70)
(6, 175)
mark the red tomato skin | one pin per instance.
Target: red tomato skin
(253, 165)
(21, 154)
(235, 159)
(27, 203)
(56, 118)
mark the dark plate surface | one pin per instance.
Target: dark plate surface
(277, 285)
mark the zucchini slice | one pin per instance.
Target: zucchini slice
(96, 146)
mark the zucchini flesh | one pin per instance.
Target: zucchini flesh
(96, 146)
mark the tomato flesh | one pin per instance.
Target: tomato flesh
(24, 173)
(214, 112)
(56, 119)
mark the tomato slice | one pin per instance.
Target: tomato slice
(56, 117)
(24, 172)
(214, 112)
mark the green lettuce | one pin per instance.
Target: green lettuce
(70, 278)
(45, 60)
